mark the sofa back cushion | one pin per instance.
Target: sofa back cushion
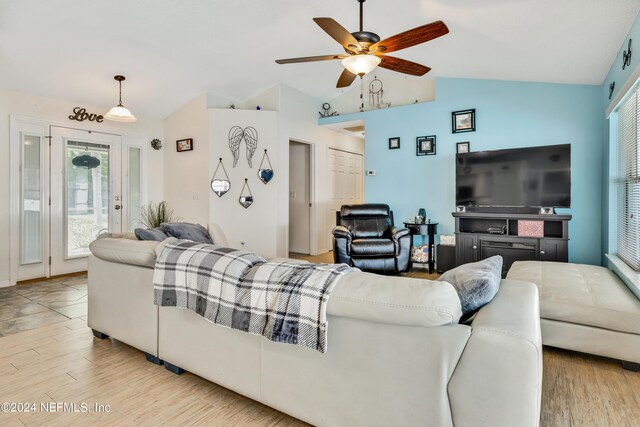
(394, 300)
(367, 220)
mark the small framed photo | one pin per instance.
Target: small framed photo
(184, 145)
(462, 147)
(394, 143)
(426, 145)
(463, 121)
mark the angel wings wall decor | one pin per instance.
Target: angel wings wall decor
(250, 136)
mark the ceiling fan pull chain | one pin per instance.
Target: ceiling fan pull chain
(361, 91)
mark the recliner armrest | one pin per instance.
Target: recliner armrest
(396, 233)
(341, 231)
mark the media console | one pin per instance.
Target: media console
(474, 242)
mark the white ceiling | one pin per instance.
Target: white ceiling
(171, 50)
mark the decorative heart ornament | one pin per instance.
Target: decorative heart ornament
(265, 175)
(220, 186)
(246, 201)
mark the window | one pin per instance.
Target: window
(627, 180)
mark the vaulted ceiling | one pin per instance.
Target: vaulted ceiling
(172, 50)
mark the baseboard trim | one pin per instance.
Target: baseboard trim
(5, 283)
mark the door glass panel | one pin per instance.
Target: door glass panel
(31, 206)
(134, 187)
(87, 191)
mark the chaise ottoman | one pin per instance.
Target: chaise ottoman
(585, 308)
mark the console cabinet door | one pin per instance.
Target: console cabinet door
(554, 250)
(466, 248)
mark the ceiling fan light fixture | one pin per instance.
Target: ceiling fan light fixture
(119, 113)
(361, 64)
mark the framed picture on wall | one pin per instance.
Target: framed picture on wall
(463, 121)
(394, 143)
(426, 145)
(184, 145)
(462, 147)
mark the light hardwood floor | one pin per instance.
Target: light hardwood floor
(63, 362)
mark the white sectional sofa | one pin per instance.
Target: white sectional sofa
(585, 308)
(396, 354)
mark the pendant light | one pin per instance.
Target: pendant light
(119, 113)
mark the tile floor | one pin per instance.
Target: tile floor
(36, 304)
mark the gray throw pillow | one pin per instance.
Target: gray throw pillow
(150, 234)
(476, 283)
(185, 230)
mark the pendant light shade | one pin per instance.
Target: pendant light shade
(119, 113)
(361, 64)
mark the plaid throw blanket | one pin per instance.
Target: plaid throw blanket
(282, 301)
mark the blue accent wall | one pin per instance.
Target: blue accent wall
(508, 115)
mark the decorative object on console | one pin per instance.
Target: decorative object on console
(218, 185)
(423, 213)
(626, 56)
(394, 143)
(327, 113)
(156, 144)
(527, 228)
(461, 208)
(119, 113)
(426, 145)
(462, 147)
(250, 136)
(184, 145)
(265, 174)
(547, 211)
(153, 215)
(612, 87)
(476, 283)
(246, 199)
(463, 121)
(80, 114)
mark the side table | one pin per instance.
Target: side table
(424, 229)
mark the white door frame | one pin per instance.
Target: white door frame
(15, 121)
(313, 235)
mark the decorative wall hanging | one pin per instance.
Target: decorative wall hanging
(220, 185)
(463, 121)
(626, 56)
(426, 145)
(394, 143)
(612, 87)
(463, 147)
(184, 145)
(156, 144)
(376, 92)
(250, 136)
(86, 160)
(265, 174)
(246, 199)
(80, 114)
(327, 113)
(119, 113)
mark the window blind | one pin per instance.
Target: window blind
(628, 182)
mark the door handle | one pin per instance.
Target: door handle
(118, 207)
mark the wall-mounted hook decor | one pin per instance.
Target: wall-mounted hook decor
(220, 185)
(265, 173)
(156, 144)
(250, 136)
(246, 199)
(626, 56)
(612, 87)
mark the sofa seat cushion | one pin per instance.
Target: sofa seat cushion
(125, 251)
(372, 247)
(582, 294)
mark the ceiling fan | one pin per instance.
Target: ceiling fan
(365, 51)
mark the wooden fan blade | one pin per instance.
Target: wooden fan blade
(346, 78)
(310, 59)
(339, 33)
(410, 38)
(403, 66)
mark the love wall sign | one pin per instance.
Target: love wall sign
(80, 114)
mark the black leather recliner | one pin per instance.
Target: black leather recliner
(366, 238)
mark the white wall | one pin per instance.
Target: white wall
(56, 112)
(256, 225)
(398, 90)
(186, 174)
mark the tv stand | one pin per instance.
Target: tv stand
(476, 237)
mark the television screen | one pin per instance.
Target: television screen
(527, 177)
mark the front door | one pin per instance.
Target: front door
(85, 194)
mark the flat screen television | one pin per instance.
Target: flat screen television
(522, 177)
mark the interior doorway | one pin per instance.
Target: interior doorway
(300, 198)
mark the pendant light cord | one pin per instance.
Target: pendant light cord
(120, 94)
